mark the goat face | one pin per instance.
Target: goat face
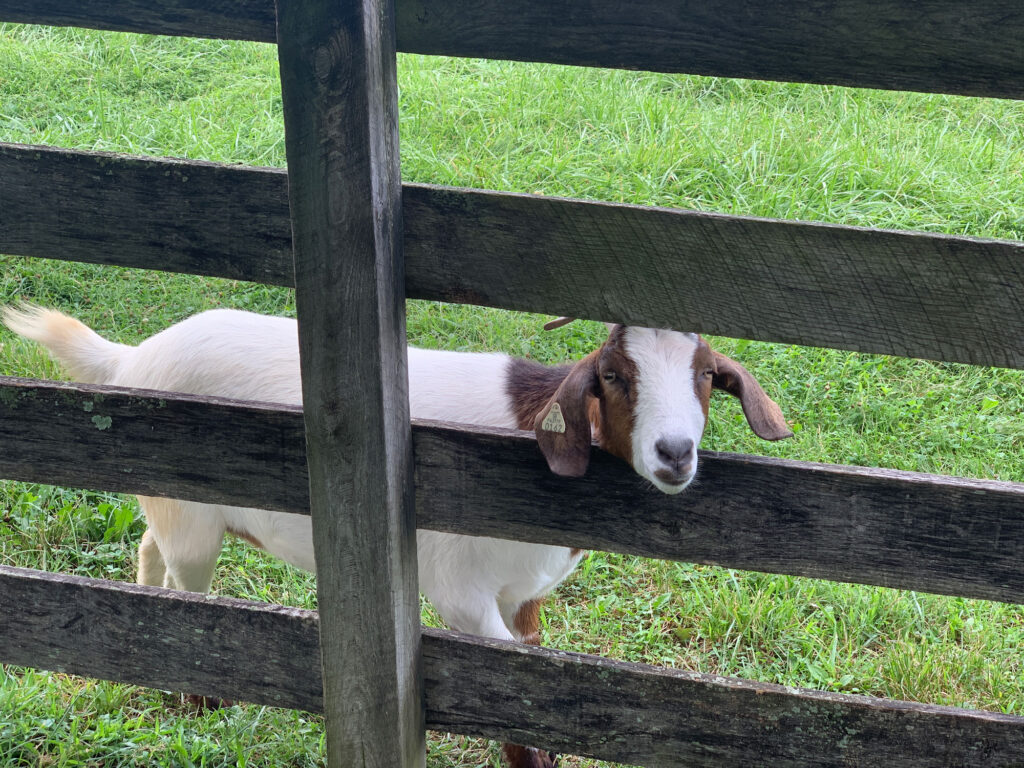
(645, 394)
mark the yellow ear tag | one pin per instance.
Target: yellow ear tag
(553, 422)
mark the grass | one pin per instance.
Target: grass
(893, 160)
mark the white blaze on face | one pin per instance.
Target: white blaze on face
(668, 416)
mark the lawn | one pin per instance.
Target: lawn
(893, 160)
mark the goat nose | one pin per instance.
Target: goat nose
(675, 452)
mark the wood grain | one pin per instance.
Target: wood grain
(911, 294)
(947, 298)
(339, 87)
(175, 215)
(641, 715)
(926, 45)
(577, 704)
(875, 526)
(225, 19)
(160, 638)
(153, 443)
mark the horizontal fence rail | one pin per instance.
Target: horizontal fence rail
(940, 297)
(135, 441)
(870, 526)
(566, 701)
(174, 215)
(874, 526)
(896, 293)
(925, 45)
(222, 19)
(657, 717)
(178, 641)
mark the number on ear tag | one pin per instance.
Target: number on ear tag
(553, 422)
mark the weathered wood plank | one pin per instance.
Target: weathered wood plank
(571, 702)
(658, 717)
(944, 298)
(174, 215)
(876, 526)
(225, 19)
(934, 296)
(927, 45)
(873, 526)
(156, 444)
(160, 638)
(340, 91)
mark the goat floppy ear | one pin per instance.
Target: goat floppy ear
(563, 426)
(763, 414)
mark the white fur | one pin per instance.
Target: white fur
(477, 584)
(666, 403)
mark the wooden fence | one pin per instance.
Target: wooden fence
(356, 231)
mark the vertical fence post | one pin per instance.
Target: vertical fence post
(341, 125)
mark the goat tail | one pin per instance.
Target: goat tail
(82, 352)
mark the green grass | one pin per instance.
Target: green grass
(894, 160)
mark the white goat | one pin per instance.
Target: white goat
(643, 395)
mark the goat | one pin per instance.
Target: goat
(644, 395)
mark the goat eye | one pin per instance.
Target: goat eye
(608, 376)
(708, 373)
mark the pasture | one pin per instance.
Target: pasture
(892, 160)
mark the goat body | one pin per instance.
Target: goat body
(644, 395)
(476, 584)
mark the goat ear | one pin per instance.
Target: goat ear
(763, 414)
(563, 425)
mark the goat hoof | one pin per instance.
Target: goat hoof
(528, 757)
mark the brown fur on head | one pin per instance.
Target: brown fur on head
(644, 395)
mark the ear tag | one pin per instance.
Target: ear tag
(554, 422)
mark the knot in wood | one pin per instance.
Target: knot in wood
(322, 61)
(337, 50)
